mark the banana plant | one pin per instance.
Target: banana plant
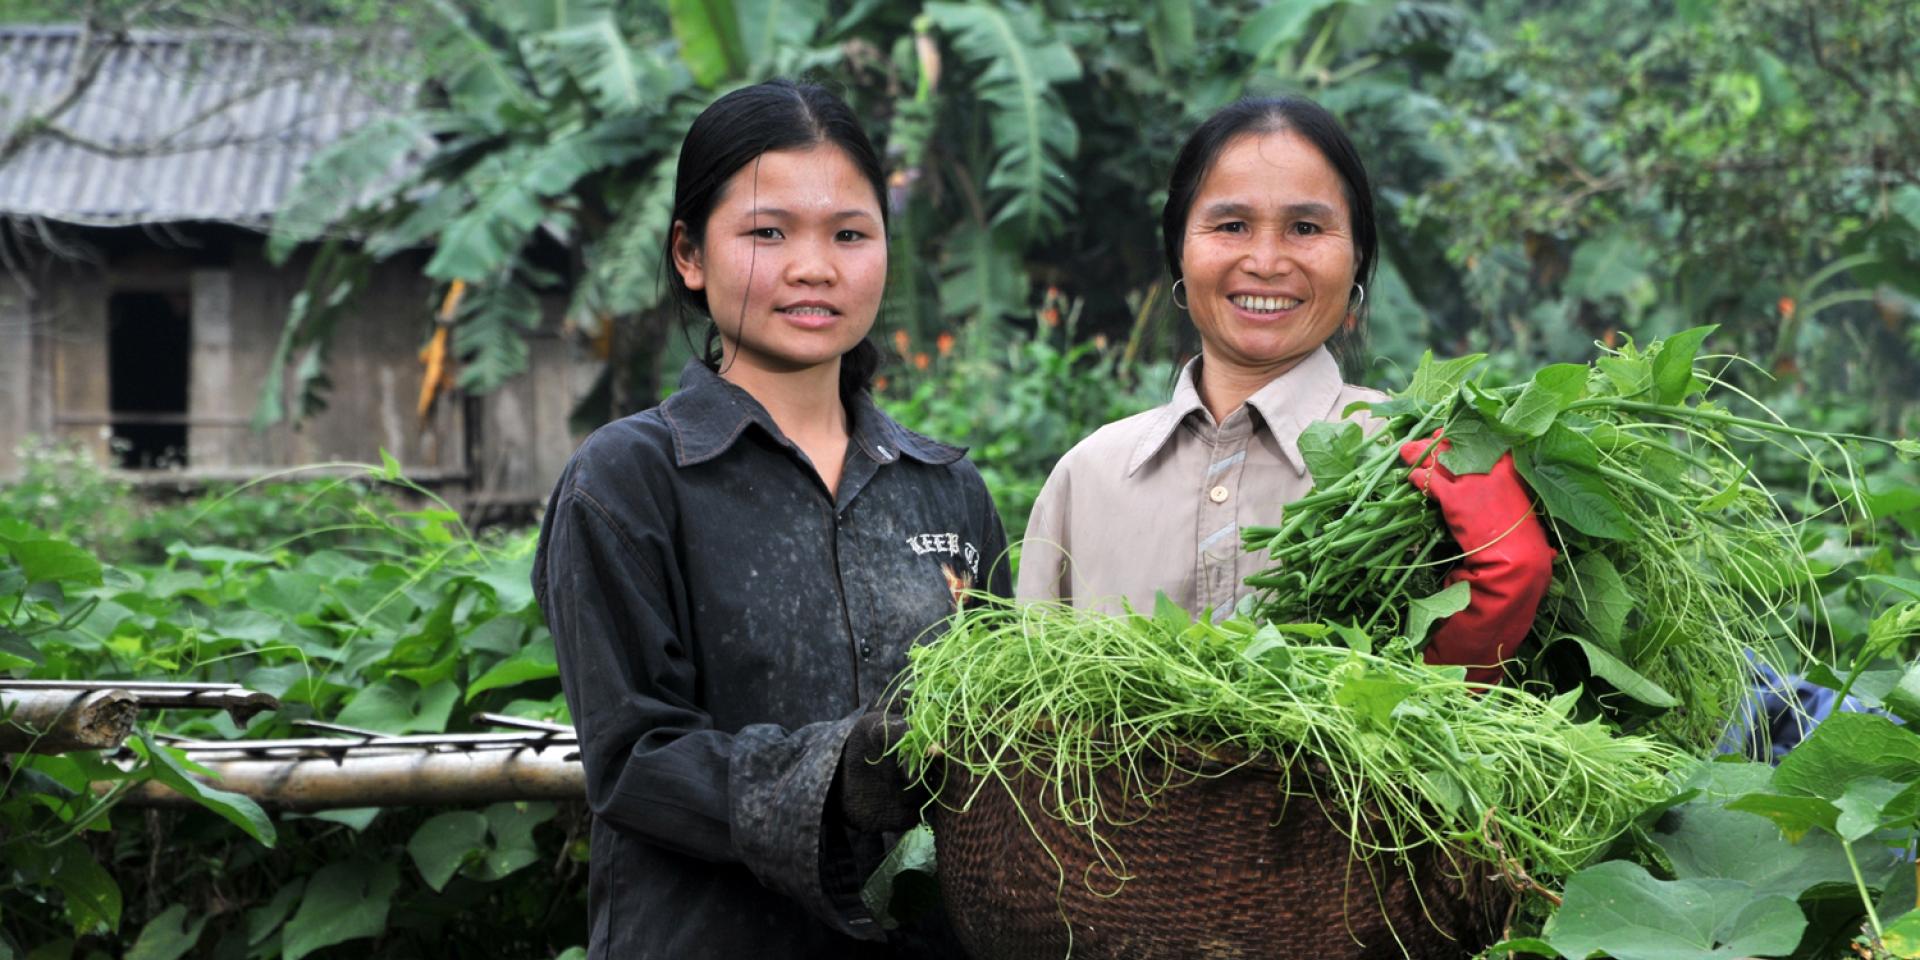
(1025, 145)
(540, 121)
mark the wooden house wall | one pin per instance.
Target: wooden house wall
(17, 387)
(54, 379)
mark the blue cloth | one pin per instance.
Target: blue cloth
(1784, 711)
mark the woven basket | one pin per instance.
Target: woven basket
(1221, 866)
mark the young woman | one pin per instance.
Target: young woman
(1269, 232)
(733, 577)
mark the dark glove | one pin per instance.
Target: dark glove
(875, 794)
(1507, 561)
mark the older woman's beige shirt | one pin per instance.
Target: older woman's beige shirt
(1155, 502)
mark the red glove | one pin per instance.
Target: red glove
(1507, 561)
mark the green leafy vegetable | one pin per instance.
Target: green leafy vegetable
(1619, 909)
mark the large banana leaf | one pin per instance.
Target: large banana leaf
(511, 191)
(768, 25)
(595, 57)
(489, 336)
(338, 275)
(983, 279)
(709, 35)
(1020, 61)
(474, 61)
(626, 274)
(358, 169)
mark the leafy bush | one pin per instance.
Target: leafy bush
(396, 620)
(69, 496)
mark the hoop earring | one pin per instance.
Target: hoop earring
(1357, 304)
(1175, 293)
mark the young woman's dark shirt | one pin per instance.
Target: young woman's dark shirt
(720, 620)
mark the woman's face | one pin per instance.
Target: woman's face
(1268, 256)
(794, 260)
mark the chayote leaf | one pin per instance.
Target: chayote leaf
(168, 936)
(1575, 496)
(1618, 908)
(905, 884)
(1434, 381)
(1846, 747)
(1331, 449)
(1603, 598)
(344, 901)
(1423, 612)
(1474, 448)
(239, 810)
(1624, 678)
(444, 842)
(1554, 388)
(535, 661)
(1673, 358)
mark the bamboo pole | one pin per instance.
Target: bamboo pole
(341, 746)
(60, 720)
(239, 702)
(373, 777)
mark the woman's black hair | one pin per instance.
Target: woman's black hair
(735, 130)
(1311, 121)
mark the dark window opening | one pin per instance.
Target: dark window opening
(149, 336)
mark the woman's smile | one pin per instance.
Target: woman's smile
(809, 314)
(1258, 307)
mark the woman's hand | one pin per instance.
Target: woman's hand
(875, 794)
(1507, 562)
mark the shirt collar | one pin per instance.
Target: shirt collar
(1287, 405)
(708, 413)
(1164, 420)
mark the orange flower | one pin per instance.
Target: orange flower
(879, 383)
(920, 361)
(1612, 337)
(902, 342)
(1786, 308)
(944, 343)
(1050, 316)
(1100, 342)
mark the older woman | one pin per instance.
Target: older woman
(1269, 232)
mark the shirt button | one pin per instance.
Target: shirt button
(1217, 494)
(866, 651)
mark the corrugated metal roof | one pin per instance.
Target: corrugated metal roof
(221, 123)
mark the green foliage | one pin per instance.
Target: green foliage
(905, 883)
(1017, 400)
(1618, 909)
(71, 499)
(1025, 146)
(709, 35)
(343, 901)
(378, 609)
(1019, 63)
(170, 767)
(1648, 169)
(544, 111)
(1044, 690)
(1547, 175)
(1770, 861)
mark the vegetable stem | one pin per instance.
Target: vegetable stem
(1860, 883)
